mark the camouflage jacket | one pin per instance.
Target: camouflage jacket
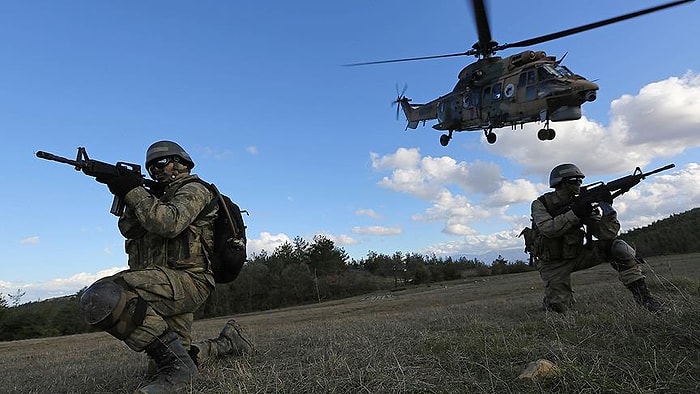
(170, 230)
(563, 235)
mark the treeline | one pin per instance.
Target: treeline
(295, 273)
(301, 272)
(676, 234)
(50, 318)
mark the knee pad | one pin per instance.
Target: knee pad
(621, 250)
(110, 307)
(623, 255)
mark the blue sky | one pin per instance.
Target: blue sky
(256, 93)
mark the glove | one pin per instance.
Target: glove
(606, 197)
(123, 184)
(582, 209)
(606, 208)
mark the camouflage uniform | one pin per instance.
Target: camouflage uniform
(168, 268)
(561, 248)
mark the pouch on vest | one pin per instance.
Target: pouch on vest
(572, 244)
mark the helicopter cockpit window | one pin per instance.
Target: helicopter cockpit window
(565, 72)
(527, 77)
(545, 72)
(496, 91)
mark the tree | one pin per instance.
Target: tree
(17, 297)
(325, 258)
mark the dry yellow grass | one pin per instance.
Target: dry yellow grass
(471, 336)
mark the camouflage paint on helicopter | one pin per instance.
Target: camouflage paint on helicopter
(496, 92)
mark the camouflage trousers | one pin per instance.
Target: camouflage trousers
(171, 296)
(556, 275)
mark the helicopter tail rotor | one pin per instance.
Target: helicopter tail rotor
(399, 98)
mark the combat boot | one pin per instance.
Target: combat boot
(643, 296)
(229, 342)
(175, 368)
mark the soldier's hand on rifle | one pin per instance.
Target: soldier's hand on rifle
(123, 184)
(582, 209)
(606, 197)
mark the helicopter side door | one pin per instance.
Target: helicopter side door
(527, 85)
(449, 113)
(470, 103)
(493, 109)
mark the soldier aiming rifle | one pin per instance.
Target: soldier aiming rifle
(168, 223)
(563, 219)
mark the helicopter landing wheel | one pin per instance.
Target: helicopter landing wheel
(546, 134)
(445, 139)
(491, 138)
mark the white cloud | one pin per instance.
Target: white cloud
(57, 287)
(30, 240)
(377, 230)
(340, 240)
(478, 244)
(662, 111)
(253, 150)
(659, 196)
(427, 177)
(368, 212)
(403, 158)
(661, 121)
(267, 242)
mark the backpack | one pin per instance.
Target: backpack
(229, 252)
(532, 237)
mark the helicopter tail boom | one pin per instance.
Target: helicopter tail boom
(416, 113)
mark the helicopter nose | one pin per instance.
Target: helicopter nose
(588, 90)
(591, 95)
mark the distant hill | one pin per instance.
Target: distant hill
(511, 255)
(677, 234)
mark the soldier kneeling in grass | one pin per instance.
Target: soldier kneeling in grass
(168, 228)
(558, 241)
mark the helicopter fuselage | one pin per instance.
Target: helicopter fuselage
(496, 92)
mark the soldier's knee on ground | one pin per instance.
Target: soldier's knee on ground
(112, 308)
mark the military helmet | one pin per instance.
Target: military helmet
(564, 171)
(161, 149)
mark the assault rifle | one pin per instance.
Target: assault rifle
(600, 191)
(592, 194)
(100, 169)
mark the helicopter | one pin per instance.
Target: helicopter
(496, 92)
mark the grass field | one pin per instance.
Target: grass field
(470, 336)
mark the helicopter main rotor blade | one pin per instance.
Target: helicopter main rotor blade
(590, 26)
(470, 52)
(485, 43)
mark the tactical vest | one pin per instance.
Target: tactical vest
(567, 246)
(185, 250)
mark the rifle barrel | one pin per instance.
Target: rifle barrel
(50, 156)
(664, 168)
